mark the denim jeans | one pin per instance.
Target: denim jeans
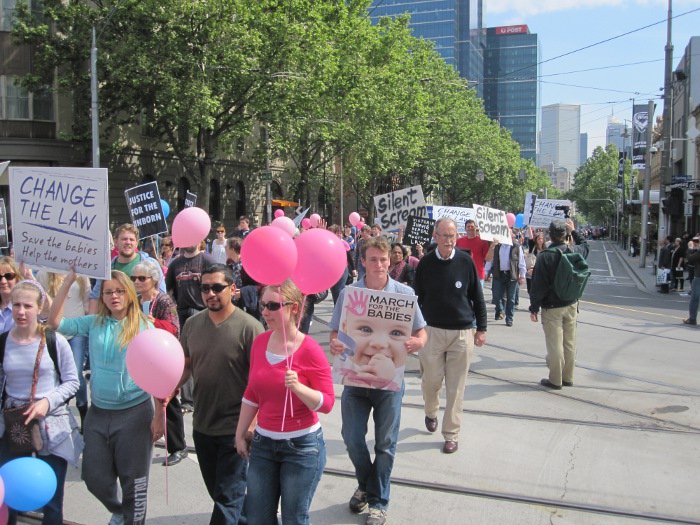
(224, 475)
(373, 477)
(79, 346)
(504, 286)
(338, 287)
(53, 510)
(286, 468)
(694, 300)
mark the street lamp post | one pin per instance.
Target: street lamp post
(647, 187)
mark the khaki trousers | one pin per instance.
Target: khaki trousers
(559, 325)
(447, 357)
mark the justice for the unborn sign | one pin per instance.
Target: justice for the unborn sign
(60, 219)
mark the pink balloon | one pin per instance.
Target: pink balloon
(510, 218)
(285, 224)
(269, 255)
(4, 514)
(155, 361)
(346, 246)
(354, 218)
(321, 261)
(306, 223)
(190, 227)
(360, 224)
(279, 213)
(315, 220)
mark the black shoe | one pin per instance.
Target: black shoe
(546, 382)
(509, 323)
(690, 322)
(358, 502)
(567, 383)
(175, 458)
(431, 424)
(499, 316)
(186, 408)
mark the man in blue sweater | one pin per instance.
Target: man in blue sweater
(451, 299)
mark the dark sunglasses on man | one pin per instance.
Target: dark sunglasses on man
(216, 288)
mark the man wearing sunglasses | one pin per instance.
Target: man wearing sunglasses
(217, 344)
(182, 281)
(126, 241)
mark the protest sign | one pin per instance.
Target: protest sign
(190, 199)
(146, 209)
(393, 209)
(456, 213)
(3, 225)
(530, 199)
(545, 211)
(374, 325)
(60, 217)
(492, 224)
(419, 230)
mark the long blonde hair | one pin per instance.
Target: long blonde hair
(54, 281)
(134, 320)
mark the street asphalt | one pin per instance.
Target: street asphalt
(622, 446)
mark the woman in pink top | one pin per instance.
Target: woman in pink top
(289, 383)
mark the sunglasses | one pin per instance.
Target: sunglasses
(139, 278)
(220, 231)
(216, 288)
(8, 276)
(272, 306)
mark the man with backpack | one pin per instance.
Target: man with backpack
(558, 280)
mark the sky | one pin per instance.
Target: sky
(604, 78)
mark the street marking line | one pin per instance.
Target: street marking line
(630, 309)
(607, 260)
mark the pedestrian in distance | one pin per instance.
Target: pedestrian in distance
(693, 257)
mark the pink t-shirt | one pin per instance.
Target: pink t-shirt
(478, 248)
(267, 392)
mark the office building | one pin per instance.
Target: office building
(510, 83)
(455, 26)
(619, 134)
(560, 138)
(584, 149)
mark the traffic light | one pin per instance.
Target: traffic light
(673, 203)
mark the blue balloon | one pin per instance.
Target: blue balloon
(166, 208)
(30, 483)
(519, 220)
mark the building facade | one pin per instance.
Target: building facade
(620, 135)
(455, 26)
(560, 139)
(511, 93)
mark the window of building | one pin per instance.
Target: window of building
(215, 199)
(240, 199)
(20, 104)
(8, 9)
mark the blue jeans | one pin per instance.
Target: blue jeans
(286, 468)
(694, 299)
(356, 404)
(224, 475)
(504, 286)
(53, 510)
(79, 346)
(338, 287)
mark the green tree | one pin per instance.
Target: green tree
(595, 191)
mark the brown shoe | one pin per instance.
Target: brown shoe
(690, 322)
(431, 424)
(450, 447)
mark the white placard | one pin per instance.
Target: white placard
(530, 199)
(545, 211)
(492, 224)
(60, 216)
(393, 209)
(456, 213)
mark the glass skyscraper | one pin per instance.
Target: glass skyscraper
(511, 92)
(455, 26)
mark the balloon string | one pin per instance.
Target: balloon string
(165, 437)
(286, 354)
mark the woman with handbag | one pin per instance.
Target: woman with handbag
(39, 378)
(289, 383)
(120, 427)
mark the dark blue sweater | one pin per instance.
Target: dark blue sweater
(449, 292)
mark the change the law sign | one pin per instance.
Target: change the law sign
(492, 224)
(545, 211)
(60, 217)
(393, 209)
(458, 214)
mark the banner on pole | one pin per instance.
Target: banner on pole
(146, 210)
(640, 120)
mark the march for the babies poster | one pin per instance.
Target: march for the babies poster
(374, 326)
